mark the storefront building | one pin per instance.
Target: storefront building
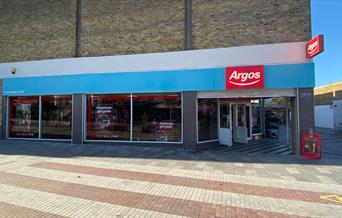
(215, 90)
(186, 98)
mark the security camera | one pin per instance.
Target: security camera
(13, 70)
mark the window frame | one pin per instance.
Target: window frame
(85, 120)
(84, 123)
(41, 116)
(131, 120)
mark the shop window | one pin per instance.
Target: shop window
(207, 119)
(157, 117)
(56, 117)
(108, 117)
(24, 117)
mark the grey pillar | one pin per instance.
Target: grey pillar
(77, 119)
(4, 118)
(189, 120)
(306, 109)
(294, 127)
(262, 116)
(188, 24)
(305, 119)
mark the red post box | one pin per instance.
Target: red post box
(311, 145)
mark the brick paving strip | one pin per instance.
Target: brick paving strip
(246, 189)
(169, 205)
(291, 207)
(67, 206)
(11, 210)
(215, 175)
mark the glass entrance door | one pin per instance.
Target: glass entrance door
(235, 123)
(242, 123)
(225, 124)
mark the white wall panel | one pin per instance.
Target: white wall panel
(337, 107)
(324, 116)
(269, 54)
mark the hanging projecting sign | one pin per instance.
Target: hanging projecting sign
(248, 77)
(315, 46)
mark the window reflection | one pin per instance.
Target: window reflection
(56, 117)
(157, 117)
(256, 116)
(224, 115)
(207, 119)
(241, 116)
(108, 117)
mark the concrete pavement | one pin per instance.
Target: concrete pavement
(45, 179)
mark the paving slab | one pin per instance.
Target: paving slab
(55, 179)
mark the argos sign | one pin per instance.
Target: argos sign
(249, 77)
(315, 46)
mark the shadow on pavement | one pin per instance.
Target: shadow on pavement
(331, 152)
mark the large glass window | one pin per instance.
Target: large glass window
(157, 117)
(108, 117)
(207, 119)
(24, 117)
(56, 117)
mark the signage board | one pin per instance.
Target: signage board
(245, 77)
(315, 46)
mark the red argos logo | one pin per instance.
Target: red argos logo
(315, 46)
(249, 77)
(312, 48)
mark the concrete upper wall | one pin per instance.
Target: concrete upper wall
(41, 29)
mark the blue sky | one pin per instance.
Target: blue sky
(326, 16)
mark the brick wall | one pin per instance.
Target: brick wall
(131, 26)
(36, 29)
(225, 23)
(43, 29)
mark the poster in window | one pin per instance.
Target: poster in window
(104, 116)
(23, 117)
